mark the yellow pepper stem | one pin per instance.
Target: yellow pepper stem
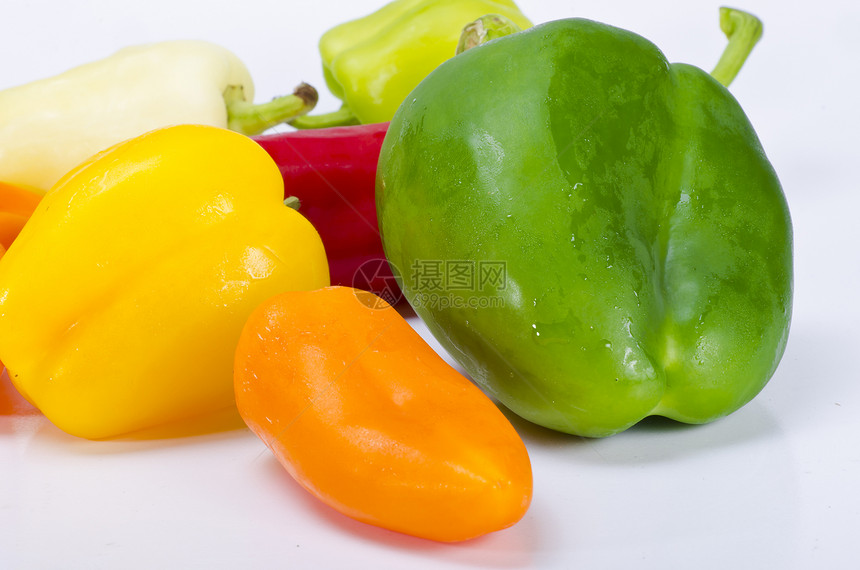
(252, 119)
(743, 31)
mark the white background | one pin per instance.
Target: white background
(773, 486)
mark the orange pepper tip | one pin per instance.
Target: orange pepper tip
(17, 203)
(10, 226)
(19, 199)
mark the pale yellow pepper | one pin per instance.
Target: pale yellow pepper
(122, 299)
(49, 126)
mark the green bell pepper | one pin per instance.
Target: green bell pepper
(372, 63)
(595, 234)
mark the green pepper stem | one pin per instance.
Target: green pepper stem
(252, 119)
(293, 202)
(484, 29)
(340, 118)
(743, 31)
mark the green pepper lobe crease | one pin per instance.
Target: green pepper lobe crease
(644, 237)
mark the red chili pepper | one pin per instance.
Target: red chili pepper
(332, 172)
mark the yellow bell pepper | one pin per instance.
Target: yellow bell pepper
(122, 299)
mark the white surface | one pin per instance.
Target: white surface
(773, 486)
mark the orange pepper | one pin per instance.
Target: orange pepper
(16, 205)
(368, 418)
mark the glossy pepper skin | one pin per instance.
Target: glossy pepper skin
(332, 172)
(372, 63)
(123, 297)
(368, 418)
(646, 239)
